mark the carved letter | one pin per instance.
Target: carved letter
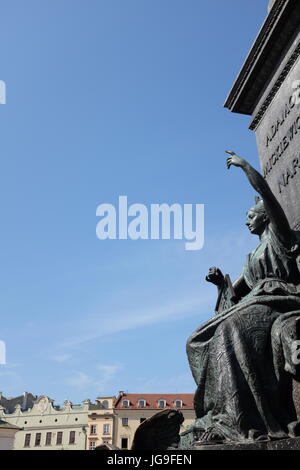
(291, 133)
(288, 174)
(295, 165)
(281, 182)
(292, 101)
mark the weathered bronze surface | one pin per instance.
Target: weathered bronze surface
(242, 359)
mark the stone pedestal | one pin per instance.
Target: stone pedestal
(268, 90)
(284, 444)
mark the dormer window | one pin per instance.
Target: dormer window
(142, 403)
(125, 403)
(161, 403)
(178, 403)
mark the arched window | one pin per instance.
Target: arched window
(142, 403)
(125, 403)
(105, 404)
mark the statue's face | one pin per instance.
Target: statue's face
(256, 221)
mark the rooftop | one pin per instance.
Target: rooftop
(152, 400)
(26, 401)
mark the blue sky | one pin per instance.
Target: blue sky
(109, 98)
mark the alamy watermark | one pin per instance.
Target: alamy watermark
(2, 92)
(160, 221)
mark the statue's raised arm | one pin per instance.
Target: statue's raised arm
(273, 210)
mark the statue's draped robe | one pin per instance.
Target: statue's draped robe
(242, 359)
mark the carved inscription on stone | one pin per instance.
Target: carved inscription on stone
(278, 139)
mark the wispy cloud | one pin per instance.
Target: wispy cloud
(127, 320)
(9, 369)
(79, 380)
(108, 371)
(13, 365)
(64, 357)
(105, 373)
(12, 381)
(8, 374)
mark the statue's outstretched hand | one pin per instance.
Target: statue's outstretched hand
(234, 159)
(215, 276)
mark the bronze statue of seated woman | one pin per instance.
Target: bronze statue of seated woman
(243, 359)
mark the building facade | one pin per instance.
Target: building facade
(45, 426)
(100, 422)
(132, 409)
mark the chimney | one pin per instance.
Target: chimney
(24, 403)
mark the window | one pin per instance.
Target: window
(105, 404)
(124, 443)
(125, 403)
(162, 403)
(59, 438)
(72, 437)
(94, 429)
(142, 403)
(105, 428)
(92, 445)
(124, 421)
(38, 439)
(142, 420)
(178, 403)
(48, 438)
(27, 440)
